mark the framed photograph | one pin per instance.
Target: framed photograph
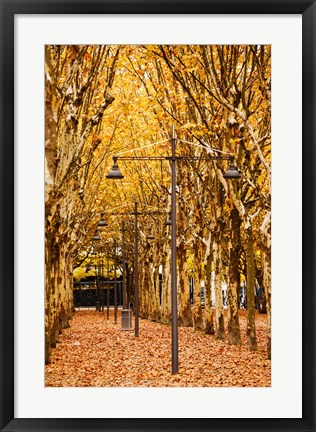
(58, 63)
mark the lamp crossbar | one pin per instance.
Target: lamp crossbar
(210, 157)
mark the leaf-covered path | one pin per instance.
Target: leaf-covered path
(96, 352)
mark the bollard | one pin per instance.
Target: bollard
(127, 319)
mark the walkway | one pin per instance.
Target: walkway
(96, 352)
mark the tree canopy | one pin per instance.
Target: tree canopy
(105, 101)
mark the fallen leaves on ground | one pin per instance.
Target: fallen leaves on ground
(95, 352)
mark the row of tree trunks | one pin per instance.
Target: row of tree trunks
(213, 320)
(58, 298)
(78, 79)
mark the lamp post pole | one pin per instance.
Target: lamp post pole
(102, 285)
(108, 290)
(123, 270)
(115, 291)
(136, 274)
(174, 301)
(97, 284)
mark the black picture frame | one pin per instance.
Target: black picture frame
(8, 10)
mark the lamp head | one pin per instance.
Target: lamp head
(102, 222)
(150, 235)
(232, 172)
(115, 172)
(169, 221)
(96, 237)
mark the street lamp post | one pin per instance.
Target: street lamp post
(174, 300)
(136, 273)
(115, 173)
(115, 287)
(123, 268)
(97, 238)
(102, 223)
(136, 302)
(108, 289)
(102, 284)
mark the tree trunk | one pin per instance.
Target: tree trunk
(259, 277)
(166, 286)
(209, 310)
(265, 230)
(185, 318)
(267, 284)
(58, 298)
(251, 327)
(220, 330)
(234, 281)
(144, 285)
(153, 311)
(197, 307)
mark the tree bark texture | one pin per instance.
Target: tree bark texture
(220, 329)
(58, 298)
(251, 327)
(209, 327)
(166, 285)
(185, 318)
(234, 280)
(197, 307)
